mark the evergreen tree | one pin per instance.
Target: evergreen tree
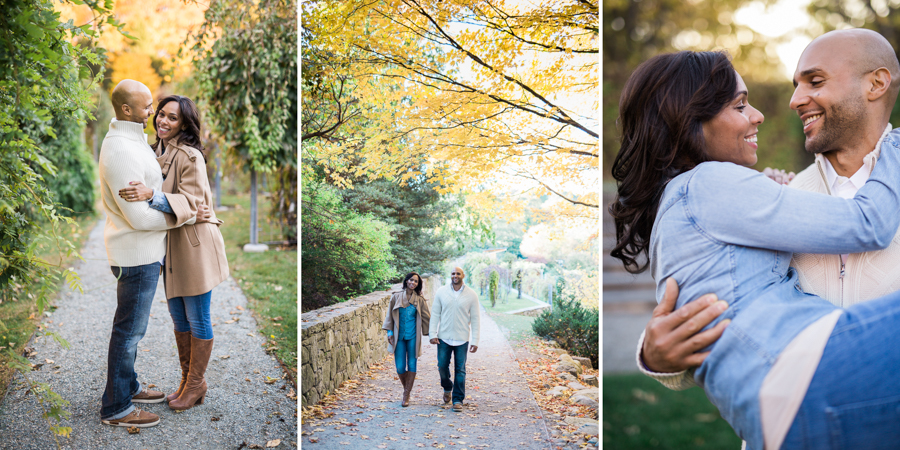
(416, 212)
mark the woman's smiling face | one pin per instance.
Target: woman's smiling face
(731, 135)
(168, 122)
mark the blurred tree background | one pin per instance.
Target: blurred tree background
(634, 31)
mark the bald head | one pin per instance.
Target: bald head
(456, 277)
(132, 101)
(861, 52)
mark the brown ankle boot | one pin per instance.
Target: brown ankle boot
(183, 342)
(195, 388)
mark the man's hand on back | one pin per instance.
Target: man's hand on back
(671, 338)
(434, 341)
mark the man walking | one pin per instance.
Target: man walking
(135, 237)
(454, 315)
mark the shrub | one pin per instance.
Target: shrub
(73, 183)
(574, 327)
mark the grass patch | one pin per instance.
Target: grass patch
(639, 413)
(19, 317)
(269, 280)
(512, 303)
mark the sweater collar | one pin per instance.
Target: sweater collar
(130, 130)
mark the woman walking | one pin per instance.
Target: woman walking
(195, 260)
(406, 322)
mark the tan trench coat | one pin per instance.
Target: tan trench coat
(195, 254)
(392, 318)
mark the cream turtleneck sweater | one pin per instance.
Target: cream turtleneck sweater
(135, 234)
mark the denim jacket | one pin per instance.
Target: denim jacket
(729, 230)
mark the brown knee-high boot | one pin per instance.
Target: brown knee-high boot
(407, 391)
(195, 388)
(402, 377)
(183, 342)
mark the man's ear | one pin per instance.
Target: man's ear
(126, 109)
(878, 82)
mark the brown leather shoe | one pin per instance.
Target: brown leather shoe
(457, 407)
(149, 396)
(137, 418)
(447, 396)
(183, 342)
(195, 388)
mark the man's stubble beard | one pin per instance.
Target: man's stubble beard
(843, 122)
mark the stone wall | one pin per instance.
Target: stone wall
(342, 340)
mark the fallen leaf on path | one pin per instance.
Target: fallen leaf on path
(133, 430)
(225, 356)
(273, 443)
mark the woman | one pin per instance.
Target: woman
(686, 203)
(406, 322)
(195, 255)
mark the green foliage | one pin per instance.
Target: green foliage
(574, 327)
(415, 212)
(343, 253)
(494, 287)
(45, 82)
(246, 66)
(73, 184)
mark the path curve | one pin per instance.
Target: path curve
(240, 407)
(500, 411)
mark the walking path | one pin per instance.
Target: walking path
(540, 305)
(500, 411)
(247, 402)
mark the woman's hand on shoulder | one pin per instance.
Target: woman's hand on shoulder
(779, 176)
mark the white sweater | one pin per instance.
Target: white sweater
(452, 316)
(134, 234)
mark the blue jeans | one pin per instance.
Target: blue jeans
(134, 294)
(405, 355)
(853, 400)
(458, 385)
(191, 313)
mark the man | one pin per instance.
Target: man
(135, 236)
(454, 315)
(844, 126)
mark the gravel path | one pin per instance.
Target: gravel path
(500, 411)
(240, 408)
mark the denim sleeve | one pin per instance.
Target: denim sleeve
(736, 205)
(160, 203)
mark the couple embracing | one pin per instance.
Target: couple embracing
(786, 325)
(158, 221)
(454, 315)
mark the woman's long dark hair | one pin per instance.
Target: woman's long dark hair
(661, 113)
(190, 121)
(418, 288)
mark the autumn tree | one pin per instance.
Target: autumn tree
(486, 93)
(246, 66)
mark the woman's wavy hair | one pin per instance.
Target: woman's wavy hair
(190, 121)
(661, 114)
(418, 288)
